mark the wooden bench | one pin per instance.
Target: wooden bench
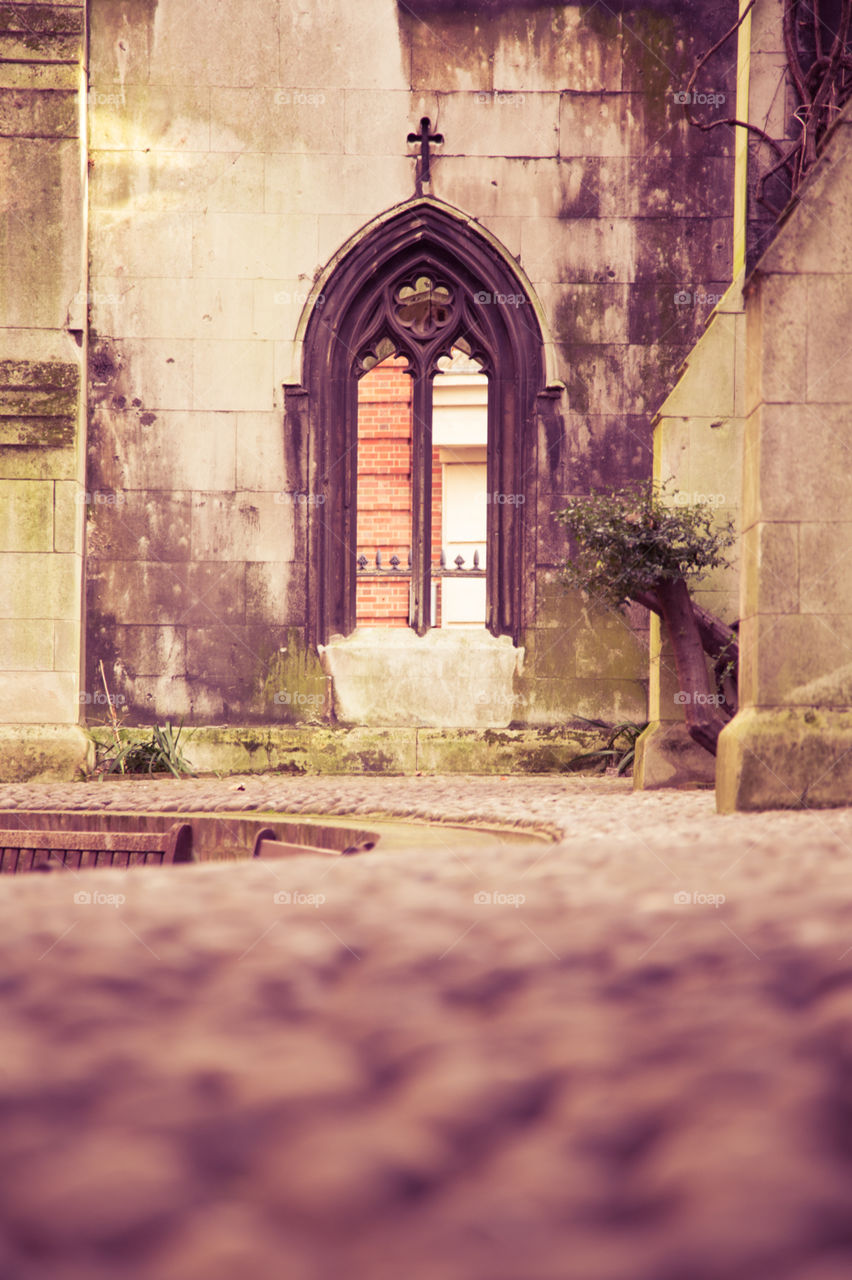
(267, 845)
(77, 850)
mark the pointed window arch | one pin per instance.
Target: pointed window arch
(419, 284)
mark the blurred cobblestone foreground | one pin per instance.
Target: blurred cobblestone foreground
(633, 1063)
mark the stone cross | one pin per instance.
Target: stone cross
(424, 137)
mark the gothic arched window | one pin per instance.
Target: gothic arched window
(422, 284)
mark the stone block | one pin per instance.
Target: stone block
(232, 375)
(242, 526)
(140, 525)
(379, 124)
(607, 648)
(146, 307)
(782, 658)
(273, 119)
(194, 594)
(297, 183)
(540, 47)
(601, 124)
(164, 453)
(649, 372)
(67, 643)
(555, 702)
(825, 568)
(784, 303)
(150, 650)
(505, 186)
(596, 377)
(787, 758)
(150, 117)
(276, 592)
(278, 305)
(39, 586)
(337, 45)
(26, 515)
(260, 453)
(158, 372)
(666, 756)
(809, 442)
(39, 697)
(255, 246)
(38, 402)
(586, 314)
(141, 244)
(120, 41)
(496, 751)
(41, 232)
(44, 753)
(577, 251)
(442, 679)
(26, 644)
(818, 344)
(448, 53)
(163, 181)
(487, 124)
(771, 568)
(33, 113)
(689, 254)
(68, 518)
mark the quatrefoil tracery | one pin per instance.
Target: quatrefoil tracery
(423, 307)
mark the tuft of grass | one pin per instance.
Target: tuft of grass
(619, 749)
(162, 754)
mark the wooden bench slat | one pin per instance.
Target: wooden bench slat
(80, 850)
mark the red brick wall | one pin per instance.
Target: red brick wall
(384, 489)
(384, 492)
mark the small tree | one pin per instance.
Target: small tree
(642, 544)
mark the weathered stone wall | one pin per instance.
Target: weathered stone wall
(790, 743)
(234, 150)
(42, 334)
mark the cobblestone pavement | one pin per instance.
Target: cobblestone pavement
(625, 1055)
